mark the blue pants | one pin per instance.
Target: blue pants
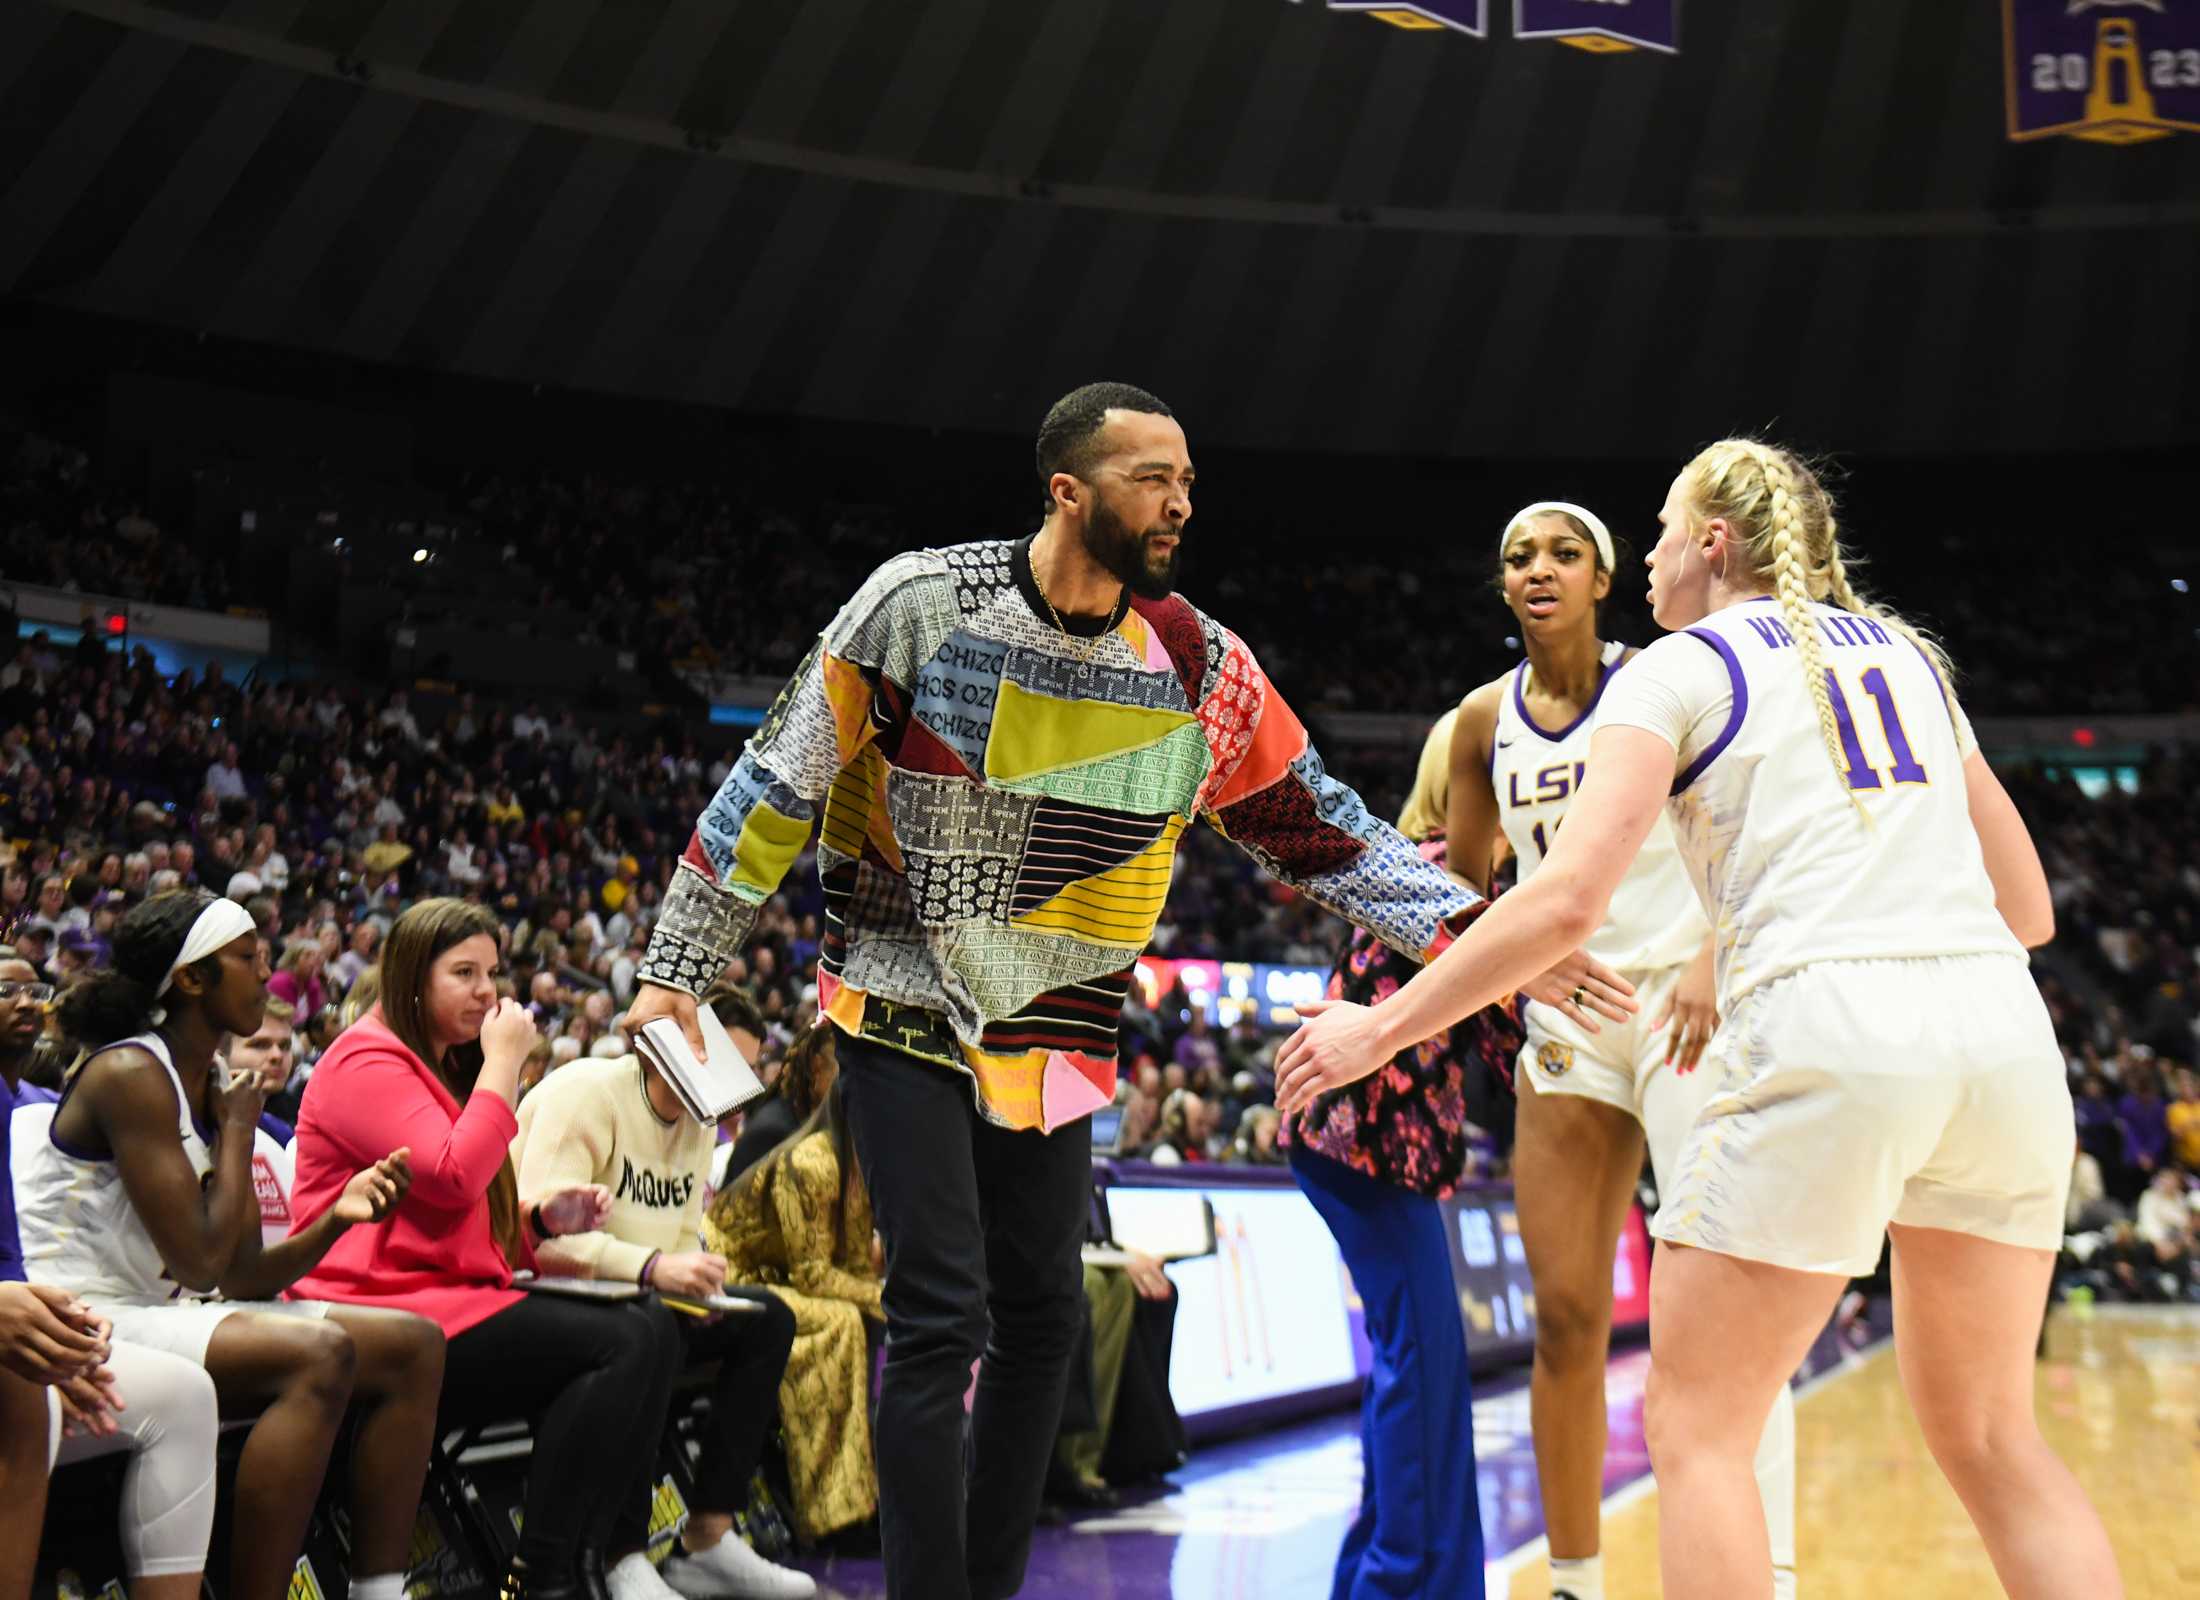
(1419, 1531)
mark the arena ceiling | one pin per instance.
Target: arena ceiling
(1303, 227)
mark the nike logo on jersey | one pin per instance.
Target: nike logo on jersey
(1505, 744)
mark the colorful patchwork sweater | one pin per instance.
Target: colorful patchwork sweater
(1000, 807)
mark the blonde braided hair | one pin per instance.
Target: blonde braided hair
(1845, 595)
(1784, 530)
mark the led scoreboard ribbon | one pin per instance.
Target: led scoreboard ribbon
(2111, 71)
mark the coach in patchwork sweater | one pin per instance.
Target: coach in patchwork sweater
(1001, 744)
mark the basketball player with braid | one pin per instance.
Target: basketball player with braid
(1885, 1064)
(1589, 1102)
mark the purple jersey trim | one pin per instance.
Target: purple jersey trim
(1946, 699)
(1740, 709)
(1520, 704)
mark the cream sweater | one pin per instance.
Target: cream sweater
(591, 1122)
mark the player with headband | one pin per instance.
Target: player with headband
(141, 1202)
(1589, 1101)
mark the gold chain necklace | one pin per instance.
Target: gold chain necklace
(1089, 647)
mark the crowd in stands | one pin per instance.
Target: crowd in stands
(693, 572)
(2124, 869)
(329, 813)
(59, 527)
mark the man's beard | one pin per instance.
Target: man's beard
(1127, 556)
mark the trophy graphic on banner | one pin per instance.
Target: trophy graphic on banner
(2110, 79)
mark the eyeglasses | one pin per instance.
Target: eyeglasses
(36, 993)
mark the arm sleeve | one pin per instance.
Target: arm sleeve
(802, 1194)
(1269, 794)
(566, 1139)
(387, 1106)
(1681, 689)
(851, 687)
(691, 1216)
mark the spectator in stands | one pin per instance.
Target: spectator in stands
(2099, 1134)
(1196, 1050)
(1187, 1125)
(1255, 1144)
(2183, 1119)
(804, 1078)
(32, 940)
(617, 1123)
(1130, 1308)
(2144, 1122)
(224, 781)
(434, 1067)
(800, 1222)
(2089, 1208)
(268, 1055)
(131, 1204)
(297, 980)
(366, 939)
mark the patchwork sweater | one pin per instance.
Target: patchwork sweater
(999, 804)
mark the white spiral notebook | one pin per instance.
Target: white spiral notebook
(710, 1087)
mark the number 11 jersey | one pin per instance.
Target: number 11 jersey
(1798, 861)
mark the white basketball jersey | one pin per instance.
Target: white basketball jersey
(1655, 920)
(80, 1231)
(1791, 870)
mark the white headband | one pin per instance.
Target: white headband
(1581, 514)
(218, 924)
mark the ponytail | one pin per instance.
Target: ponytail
(1785, 536)
(125, 999)
(101, 1007)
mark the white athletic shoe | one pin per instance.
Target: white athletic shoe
(633, 1578)
(730, 1570)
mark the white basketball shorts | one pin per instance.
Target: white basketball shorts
(1852, 1094)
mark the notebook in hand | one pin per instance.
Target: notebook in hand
(709, 1087)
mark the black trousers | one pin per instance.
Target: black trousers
(751, 1351)
(593, 1380)
(982, 1227)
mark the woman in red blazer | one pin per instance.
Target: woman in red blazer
(434, 1067)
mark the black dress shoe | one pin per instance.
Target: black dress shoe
(1078, 1494)
(591, 1575)
(858, 1541)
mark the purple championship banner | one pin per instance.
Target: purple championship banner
(2112, 71)
(1471, 17)
(1602, 25)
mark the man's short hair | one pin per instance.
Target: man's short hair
(280, 1011)
(736, 1008)
(1069, 438)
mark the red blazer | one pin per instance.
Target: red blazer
(435, 1254)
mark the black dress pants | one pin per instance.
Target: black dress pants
(751, 1350)
(983, 1227)
(594, 1380)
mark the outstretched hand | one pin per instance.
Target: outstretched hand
(1337, 1044)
